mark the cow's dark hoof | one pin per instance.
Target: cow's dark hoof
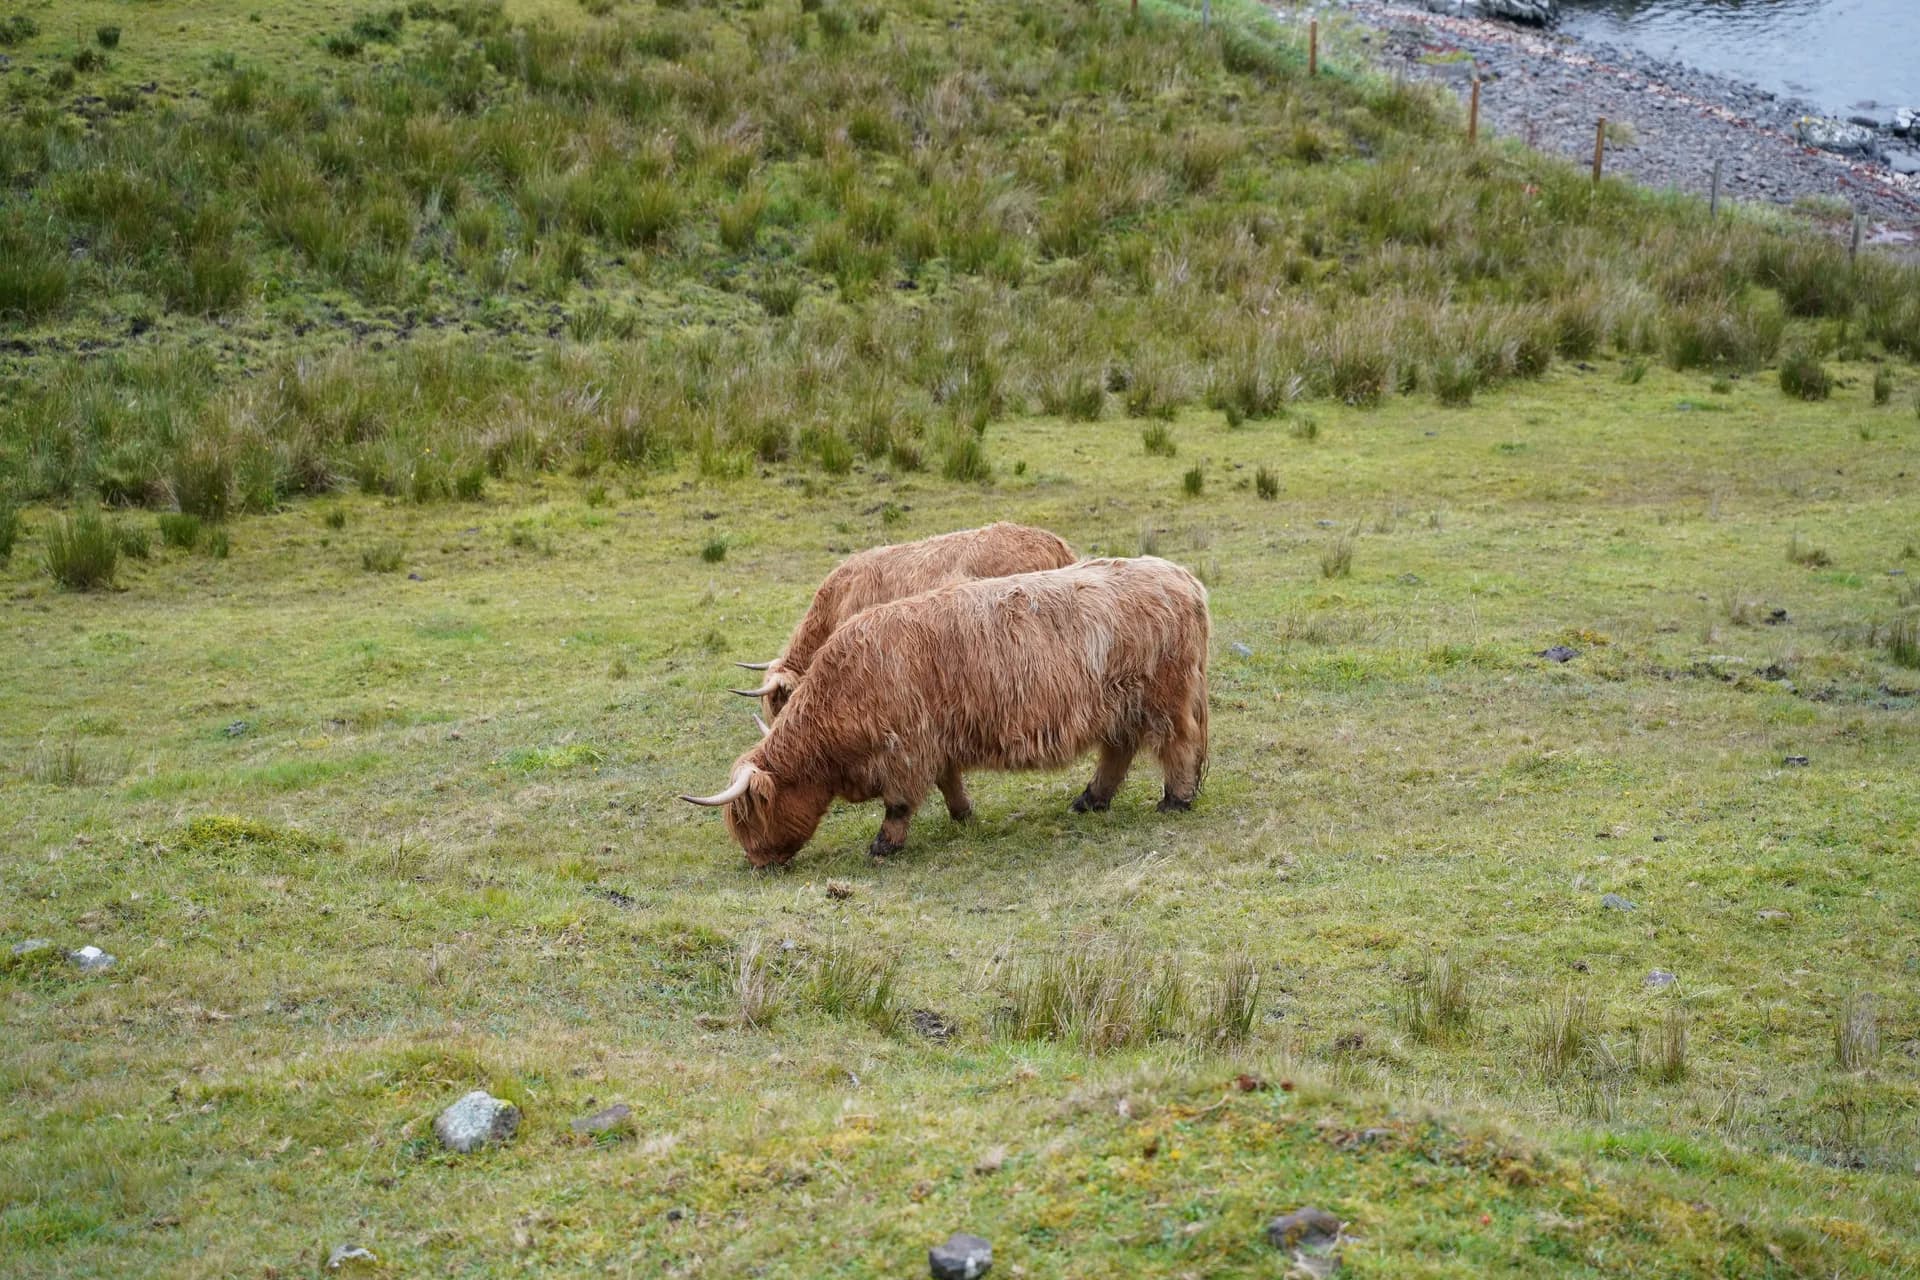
(1170, 803)
(965, 815)
(884, 848)
(1087, 802)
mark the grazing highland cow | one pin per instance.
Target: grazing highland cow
(881, 574)
(1020, 672)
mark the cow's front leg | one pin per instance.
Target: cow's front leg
(892, 836)
(954, 788)
(1115, 759)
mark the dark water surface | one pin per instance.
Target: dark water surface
(1833, 53)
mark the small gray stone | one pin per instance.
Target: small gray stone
(1244, 651)
(1906, 122)
(1309, 1229)
(603, 1121)
(1614, 902)
(238, 729)
(1559, 653)
(1660, 979)
(91, 959)
(476, 1121)
(351, 1255)
(961, 1257)
(32, 945)
(1796, 762)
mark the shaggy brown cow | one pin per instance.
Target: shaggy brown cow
(880, 574)
(1021, 672)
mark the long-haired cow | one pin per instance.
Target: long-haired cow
(880, 574)
(1021, 672)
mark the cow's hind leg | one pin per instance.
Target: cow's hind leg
(1182, 758)
(954, 788)
(1108, 774)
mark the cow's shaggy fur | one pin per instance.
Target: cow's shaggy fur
(880, 574)
(1021, 672)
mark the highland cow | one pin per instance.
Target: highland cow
(880, 574)
(1021, 672)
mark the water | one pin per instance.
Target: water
(1833, 53)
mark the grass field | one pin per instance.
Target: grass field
(363, 840)
(406, 420)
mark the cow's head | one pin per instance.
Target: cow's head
(775, 688)
(769, 816)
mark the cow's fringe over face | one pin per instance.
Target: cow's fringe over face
(772, 820)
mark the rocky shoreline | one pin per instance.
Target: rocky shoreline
(1668, 123)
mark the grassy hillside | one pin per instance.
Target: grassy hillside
(391, 248)
(410, 417)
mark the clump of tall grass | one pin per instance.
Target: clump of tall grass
(9, 529)
(1661, 1055)
(1098, 994)
(1882, 386)
(179, 529)
(1806, 554)
(1901, 640)
(62, 766)
(1231, 1001)
(714, 550)
(1266, 484)
(846, 982)
(1336, 560)
(81, 552)
(1803, 377)
(383, 557)
(1562, 1033)
(1439, 999)
(1157, 440)
(1193, 482)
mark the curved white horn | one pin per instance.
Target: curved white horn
(766, 731)
(735, 789)
(761, 692)
(754, 666)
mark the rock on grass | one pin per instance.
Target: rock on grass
(351, 1257)
(91, 959)
(960, 1257)
(477, 1120)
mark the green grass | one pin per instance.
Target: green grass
(445, 854)
(549, 299)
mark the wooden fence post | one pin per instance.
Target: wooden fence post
(1859, 223)
(1206, 15)
(1313, 47)
(1473, 112)
(1713, 198)
(1599, 145)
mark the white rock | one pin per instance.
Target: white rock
(351, 1255)
(32, 945)
(91, 958)
(477, 1120)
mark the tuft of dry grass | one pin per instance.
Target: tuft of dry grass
(1336, 560)
(1805, 554)
(1562, 1034)
(758, 992)
(1856, 1032)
